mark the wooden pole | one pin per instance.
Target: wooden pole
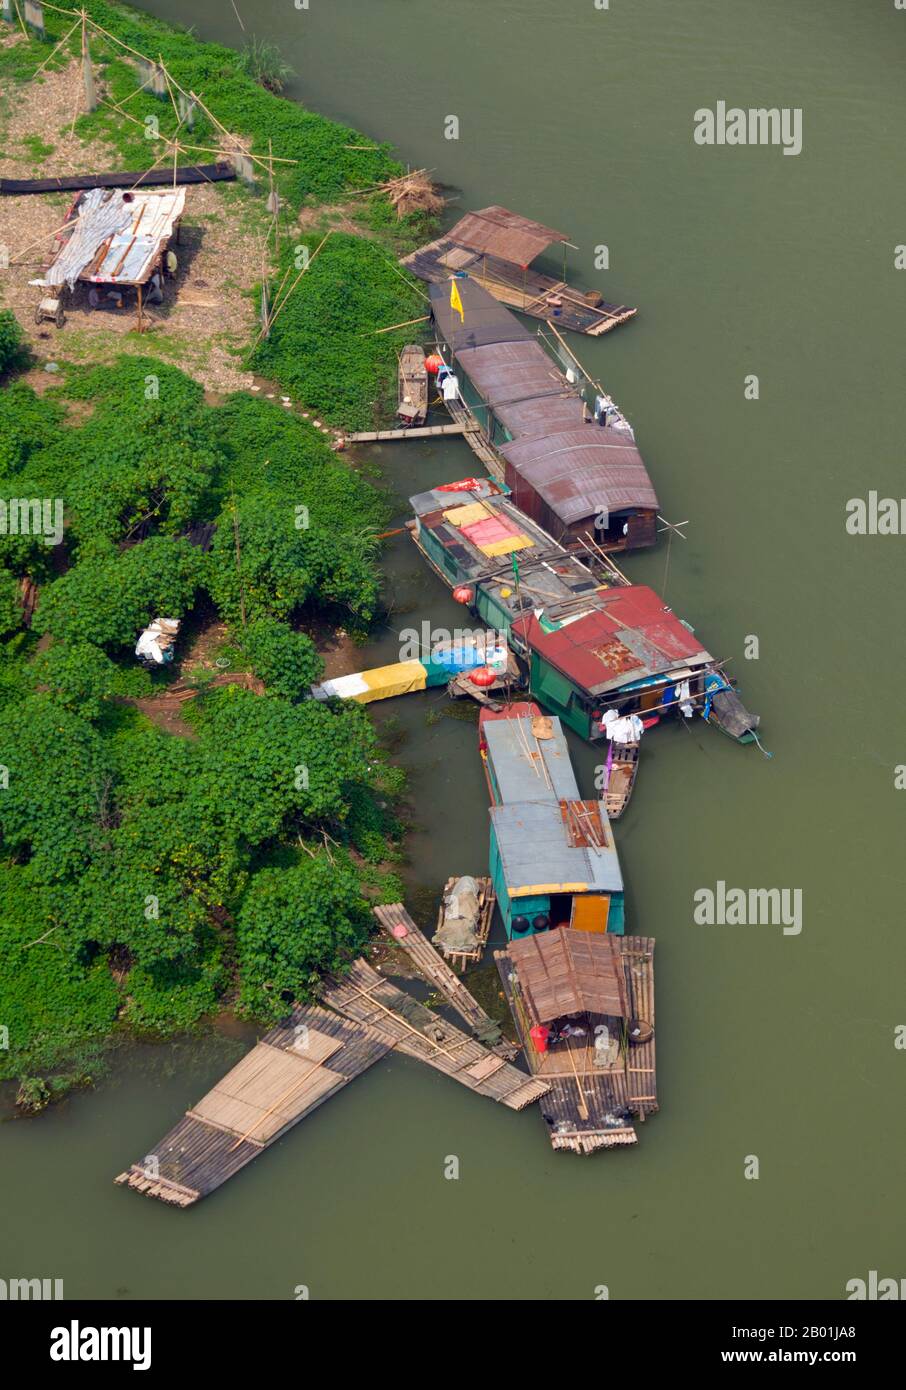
(141, 326)
(91, 98)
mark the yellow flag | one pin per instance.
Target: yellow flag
(456, 302)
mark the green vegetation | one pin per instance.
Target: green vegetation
(138, 869)
(13, 350)
(262, 62)
(148, 877)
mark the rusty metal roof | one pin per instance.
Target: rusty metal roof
(495, 231)
(583, 471)
(567, 972)
(630, 636)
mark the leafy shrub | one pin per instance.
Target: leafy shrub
(109, 596)
(293, 924)
(285, 660)
(13, 346)
(10, 606)
(79, 676)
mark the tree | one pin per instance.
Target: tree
(13, 346)
(293, 924)
(10, 605)
(78, 675)
(285, 660)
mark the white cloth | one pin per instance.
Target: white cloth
(450, 387)
(627, 728)
(682, 693)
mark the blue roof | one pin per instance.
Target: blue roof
(519, 761)
(537, 856)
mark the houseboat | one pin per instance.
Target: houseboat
(553, 861)
(595, 649)
(571, 466)
(496, 247)
(583, 1005)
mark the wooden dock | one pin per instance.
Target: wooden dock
(403, 932)
(407, 432)
(366, 997)
(292, 1070)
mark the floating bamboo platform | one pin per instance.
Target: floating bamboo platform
(527, 290)
(403, 932)
(292, 1070)
(487, 900)
(588, 1105)
(366, 997)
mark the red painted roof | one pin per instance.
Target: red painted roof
(630, 635)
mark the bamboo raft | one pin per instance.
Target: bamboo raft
(364, 996)
(293, 1069)
(404, 933)
(487, 900)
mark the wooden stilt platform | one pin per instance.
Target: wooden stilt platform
(292, 1070)
(366, 997)
(403, 932)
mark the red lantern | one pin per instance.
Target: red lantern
(434, 363)
(483, 676)
(462, 593)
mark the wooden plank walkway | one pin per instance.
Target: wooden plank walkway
(288, 1074)
(366, 997)
(476, 439)
(403, 932)
(411, 432)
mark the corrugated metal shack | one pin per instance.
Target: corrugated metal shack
(496, 247)
(118, 238)
(571, 476)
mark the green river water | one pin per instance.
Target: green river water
(742, 260)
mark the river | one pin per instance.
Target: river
(743, 261)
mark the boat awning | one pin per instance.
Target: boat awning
(484, 321)
(570, 972)
(631, 634)
(526, 768)
(584, 471)
(117, 237)
(495, 231)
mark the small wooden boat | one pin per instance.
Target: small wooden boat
(622, 770)
(413, 385)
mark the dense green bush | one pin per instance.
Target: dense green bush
(294, 924)
(78, 675)
(109, 596)
(285, 660)
(13, 347)
(10, 606)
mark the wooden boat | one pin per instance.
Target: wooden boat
(553, 860)
(413, 385)
(621, 771)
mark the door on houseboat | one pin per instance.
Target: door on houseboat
(590, 912)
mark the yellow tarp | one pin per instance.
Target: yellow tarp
(504, 547)
(386, 681)
(464, 516)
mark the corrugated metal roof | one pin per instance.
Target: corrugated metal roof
(578, 469)
(629, 636)
(570, 972)
(485, 320)
(117, 237)
(536, 853)
(496, 231)
(515, 757)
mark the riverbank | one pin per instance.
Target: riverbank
(198, 838)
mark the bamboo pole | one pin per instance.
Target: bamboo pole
(582, 1107)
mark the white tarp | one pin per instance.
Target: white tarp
(129, 229)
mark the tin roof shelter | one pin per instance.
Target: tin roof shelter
(544, 851)
(496, 247)
(119, 237)
(630, 636)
